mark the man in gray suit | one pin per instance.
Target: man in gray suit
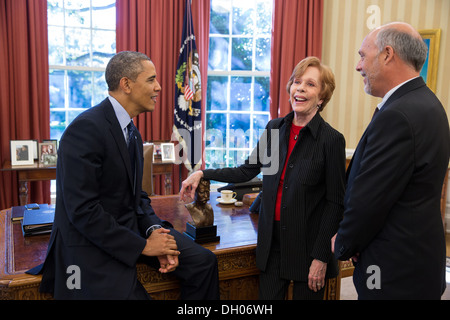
(392, 224)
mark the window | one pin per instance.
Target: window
(81, 40)
(237, 103)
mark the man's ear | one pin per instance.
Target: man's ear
(125, 85)
(389, 54)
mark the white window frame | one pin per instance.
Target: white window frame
(237, 73)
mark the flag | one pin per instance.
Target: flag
(187, 127)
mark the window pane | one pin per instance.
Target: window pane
(240, 93)
(238, 137)
(241, 54)
(55, 13)
(218, 54)
(100, 88)
(262, 54)
(237, 157)
(57, 124)
(78, 14)
(78, 47)
(217, 93)
(215, 138)
(80, 89)
(104, 14)
(264, 14)
(56, 88)
(214, 159)
(103, 47)
(217, 121)
(261, 94)
(55, 45)
(259, 124)
(220, 17)
(239, 129)
(243, 17)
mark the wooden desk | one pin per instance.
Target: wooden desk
(163, 168)
(39, 172)
(35, 172)
(235, 252)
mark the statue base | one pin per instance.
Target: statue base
(202, 234)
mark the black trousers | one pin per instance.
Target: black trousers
(272, 286)
(197, 270)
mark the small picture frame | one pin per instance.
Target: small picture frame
(22, 152)
(47, 153)
(157, 151)
(54, 141)
(49, 160)
(168, 152)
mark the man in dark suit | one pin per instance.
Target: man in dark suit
(392, 224)
(104, 222)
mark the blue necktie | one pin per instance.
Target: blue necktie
(132, 146)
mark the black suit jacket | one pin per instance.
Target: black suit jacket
(313, 192)
(392, 204)
(101, 215)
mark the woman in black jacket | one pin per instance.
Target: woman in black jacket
(302, 159)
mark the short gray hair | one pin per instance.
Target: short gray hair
(410, 49)
(124, 64)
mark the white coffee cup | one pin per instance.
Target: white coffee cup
(227, 195)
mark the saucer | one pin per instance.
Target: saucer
(220, 200)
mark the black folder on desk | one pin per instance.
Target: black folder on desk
(38, 221)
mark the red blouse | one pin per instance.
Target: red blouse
(292, 140)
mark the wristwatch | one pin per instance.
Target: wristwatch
(152, 228)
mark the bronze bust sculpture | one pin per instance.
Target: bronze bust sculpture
(201, 211)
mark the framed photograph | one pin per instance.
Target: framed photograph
(432, 39)
(157, 151)
(54, 141)
(49, 160)
(168, 152)
(47, 153)
(22, 152)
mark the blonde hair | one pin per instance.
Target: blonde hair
(327, 82)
